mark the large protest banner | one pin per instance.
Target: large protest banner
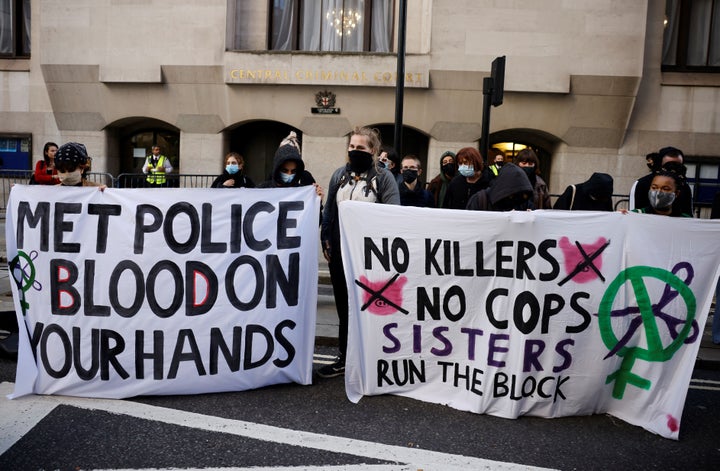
(174, 291)
(545, 313)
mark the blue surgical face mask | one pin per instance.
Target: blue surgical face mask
(232, 168)
(287, 177)
(466, 170)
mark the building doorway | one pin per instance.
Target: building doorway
(133, 138)
(512, 141)
(257, 142)
(414, 143)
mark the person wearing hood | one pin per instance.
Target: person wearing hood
(288, 169)
(233, 175)
(511, 190)
(593, 195)
(438, 185)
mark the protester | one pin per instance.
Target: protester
(595, 194)
(289, 168)
(715, 214)
(438, 186)
(233, 175)
(472, 178)
(358, 180)
(390, 160)
(663, 193)
(411, 189)
(45, 172)
(510, 190)
(70, 162)
(668, 158)
(527, 160)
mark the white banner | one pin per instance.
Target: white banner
(545, 313)
(175, 291)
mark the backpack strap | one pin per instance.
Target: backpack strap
(572, 200)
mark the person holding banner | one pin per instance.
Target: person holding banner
(233, 175)
(663, 194)
(715, 214)
(358, 180)
(70, 162)
(669, 158)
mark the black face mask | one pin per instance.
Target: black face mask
(517, 202)
(360, 161)
(409, 176)
(530, 172)
(449, 170)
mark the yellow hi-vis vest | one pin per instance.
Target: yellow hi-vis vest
(156, 178)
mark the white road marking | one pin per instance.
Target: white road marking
(15, 425)
(700, 384)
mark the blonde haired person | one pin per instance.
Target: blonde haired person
(358, 180)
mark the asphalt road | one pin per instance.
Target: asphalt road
(316, 427)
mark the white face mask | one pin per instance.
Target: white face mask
(70, 178)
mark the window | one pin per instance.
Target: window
(14, 28)
(331, 25)
(15, 151)
(692, 36)
(703, 176)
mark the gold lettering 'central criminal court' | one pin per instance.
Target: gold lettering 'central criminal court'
(325, 76)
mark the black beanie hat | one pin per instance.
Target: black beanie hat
(71, 153)
(287, 152)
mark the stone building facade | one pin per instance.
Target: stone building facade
(584, 84)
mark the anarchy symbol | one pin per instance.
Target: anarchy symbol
(655, 350)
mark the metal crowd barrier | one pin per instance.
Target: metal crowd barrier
(11, 177)
(172, 180)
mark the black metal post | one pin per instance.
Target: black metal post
(485, 132)
(400, 81)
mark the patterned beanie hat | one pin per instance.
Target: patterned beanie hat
(72, 153)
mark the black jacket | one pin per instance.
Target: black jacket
(683, 205)
(511, 189)
(302, 176)
(459, 190)
(593, 195)
(241, 181)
